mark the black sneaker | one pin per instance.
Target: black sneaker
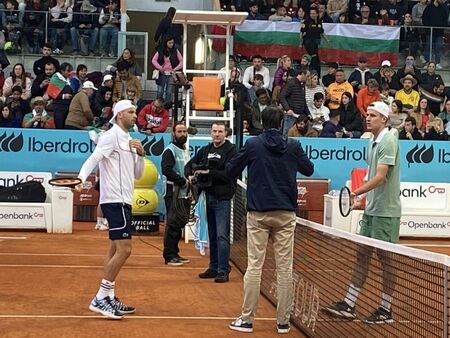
(208, 274)
(341, 309)
(104, 307)
(222, 277)
(174, 261)
(183, 260)
(283, 328)
(121, 307)
(380, 316)
(241, 326)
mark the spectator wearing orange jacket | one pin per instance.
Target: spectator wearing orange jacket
(367, 95)
(153, 118)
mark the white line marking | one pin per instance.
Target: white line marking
(130, 317)
(428, 245)
(13, 237)
(79, 255)
(95, 267)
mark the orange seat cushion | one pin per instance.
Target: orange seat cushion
(206, 93)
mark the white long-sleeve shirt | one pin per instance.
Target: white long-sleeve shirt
(249, 73)
(118, 165)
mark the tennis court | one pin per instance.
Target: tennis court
(48, 280)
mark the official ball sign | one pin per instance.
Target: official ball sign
(147, 225)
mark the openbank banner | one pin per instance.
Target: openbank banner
(60, 150)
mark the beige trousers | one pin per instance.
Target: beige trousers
(280, 225)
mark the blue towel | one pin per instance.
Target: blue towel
(201, 225)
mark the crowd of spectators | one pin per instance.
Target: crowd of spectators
(65, 96)
(59, 96)
(87, 27)
(334, 106)
(414, 18)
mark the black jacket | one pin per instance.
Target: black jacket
(292, 96)
(39, 65)
(272, 162)
(166, 28)
(416, 135)
(36, 89)
(350, 117)
(223, 187)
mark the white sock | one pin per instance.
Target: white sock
(103, 291)
(352, 295)
(100, 220)
(111, 293)
(386, 301)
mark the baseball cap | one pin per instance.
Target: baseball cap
(386, 63)
(107, 77)
(362, 59)
(88, 85)
(379, 107)
(121, 106)
(36, 100)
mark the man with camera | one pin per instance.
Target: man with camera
(174, 158)
(207, 171)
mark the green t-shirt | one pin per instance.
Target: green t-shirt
(384, 201)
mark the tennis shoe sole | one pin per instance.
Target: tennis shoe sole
(104, 313)
(379, 322)
(241, 329)
(340, 314)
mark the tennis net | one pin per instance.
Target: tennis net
(324, 261)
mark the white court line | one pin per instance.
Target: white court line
(2, 238)
(428, 245)
(77, 255)
(95, 267)
(128, 317)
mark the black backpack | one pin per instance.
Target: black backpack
(31, 191)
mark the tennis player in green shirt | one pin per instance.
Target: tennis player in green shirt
(381, 219)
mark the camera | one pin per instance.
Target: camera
(203, 180)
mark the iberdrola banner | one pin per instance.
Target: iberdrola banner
(347, 41)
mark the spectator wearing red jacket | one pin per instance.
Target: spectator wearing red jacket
(153, 118)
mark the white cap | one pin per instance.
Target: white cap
(107, 77)
(379, 107)
(386, 63)
(121, 106)
(88, 85)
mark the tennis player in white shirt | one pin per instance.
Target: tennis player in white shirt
(120, 159)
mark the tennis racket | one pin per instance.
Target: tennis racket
(69, 182)
(345, 202)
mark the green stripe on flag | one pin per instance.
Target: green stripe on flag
(361, 44)
(267, 38)
(337, 42)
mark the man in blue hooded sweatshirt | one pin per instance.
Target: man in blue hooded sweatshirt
(273, 162)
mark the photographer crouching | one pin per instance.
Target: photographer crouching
(206, 170)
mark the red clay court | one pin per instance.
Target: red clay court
(48, 280)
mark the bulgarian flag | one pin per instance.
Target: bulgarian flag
(348, 41)
(56, 85)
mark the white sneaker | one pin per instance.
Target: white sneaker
(438, 66)
(102, 226)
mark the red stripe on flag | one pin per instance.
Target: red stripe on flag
(326, 54)
(53, 90)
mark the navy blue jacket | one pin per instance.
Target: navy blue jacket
(273, 162)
